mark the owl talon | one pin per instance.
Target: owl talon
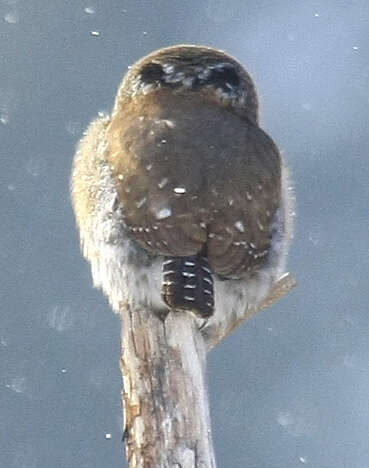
(203, 325)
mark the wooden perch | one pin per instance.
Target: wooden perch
(215, 332)
(165, 401)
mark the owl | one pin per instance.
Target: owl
(182, 201)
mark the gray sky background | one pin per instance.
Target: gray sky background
(289, 388)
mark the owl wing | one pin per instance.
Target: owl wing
(239, 237)
(209, 184)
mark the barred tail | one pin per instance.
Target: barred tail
(188, 284)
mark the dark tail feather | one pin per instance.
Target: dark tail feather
(188, 284)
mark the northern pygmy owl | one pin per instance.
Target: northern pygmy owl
(181, 199)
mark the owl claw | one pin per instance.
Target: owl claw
(203, 325)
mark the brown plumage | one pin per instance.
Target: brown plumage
(195, 175)
(191, 174)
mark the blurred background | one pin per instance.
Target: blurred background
(291, 386)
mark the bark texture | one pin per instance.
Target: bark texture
(165, 400)
(216, 331)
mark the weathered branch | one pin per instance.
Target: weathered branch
(165, 399)
(163, 363)
(220, 327)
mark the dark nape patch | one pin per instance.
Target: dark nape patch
(219, 77)
(225, 77)
(152, 73)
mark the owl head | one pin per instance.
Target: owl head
(193, 69)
